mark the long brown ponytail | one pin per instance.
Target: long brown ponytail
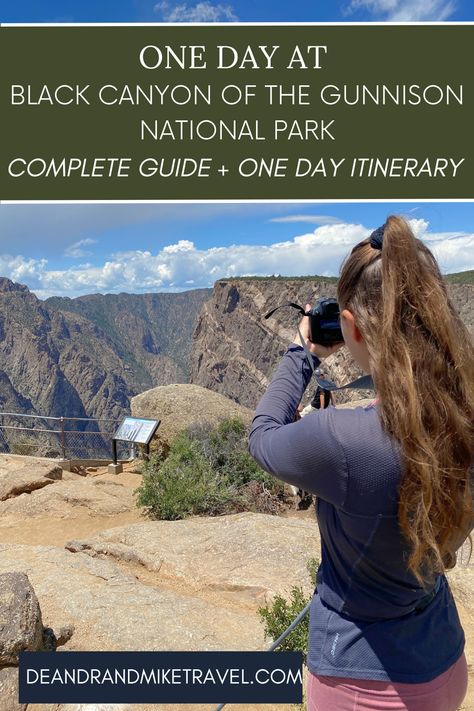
(422, 363)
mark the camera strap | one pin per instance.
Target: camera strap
(282, 306)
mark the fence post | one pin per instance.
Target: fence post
(63, 439)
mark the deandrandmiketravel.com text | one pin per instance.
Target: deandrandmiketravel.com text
(161, 676)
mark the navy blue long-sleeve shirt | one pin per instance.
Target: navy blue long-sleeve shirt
(363, 621)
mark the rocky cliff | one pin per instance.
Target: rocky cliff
(235, 349)
(87, 357)
(150, 333)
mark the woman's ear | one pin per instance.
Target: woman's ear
(351, 326)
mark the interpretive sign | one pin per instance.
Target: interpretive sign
(138, 430)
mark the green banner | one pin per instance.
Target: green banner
(250, 112)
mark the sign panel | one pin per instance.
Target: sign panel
(134, 429)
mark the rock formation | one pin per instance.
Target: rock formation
(88, 356)
(151, 333)
(235, 350)
(150, 585)
(114, 595)
(21, 629)
(99, 496)
(37, 488)
(133, 591)
(180, 406)
(22, 626)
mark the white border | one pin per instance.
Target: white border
(466, 23)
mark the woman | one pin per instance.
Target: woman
(392, 483)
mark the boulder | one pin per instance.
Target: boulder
(21, 626)
(236, 350)
(181, 406)
(246, 556)
(9, 690)
(25, 474)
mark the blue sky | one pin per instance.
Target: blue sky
(235, 10)
(76, 249)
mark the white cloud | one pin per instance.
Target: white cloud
(309, 219)
(77, 251)
(176, 267)
(405, 10)
(201, 12)
(23, 270)
(184, 245)
(419, 227)
(453, 250)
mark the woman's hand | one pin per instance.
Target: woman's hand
(317, 349)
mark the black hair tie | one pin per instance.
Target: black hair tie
(376, 238)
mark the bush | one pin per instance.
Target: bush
(312, 566)
(278, 616)
(208, 470)
(225, 448)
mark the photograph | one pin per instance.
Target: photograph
(236, 426)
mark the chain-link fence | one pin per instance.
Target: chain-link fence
(60, 437)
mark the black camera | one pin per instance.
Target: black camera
(324, 322)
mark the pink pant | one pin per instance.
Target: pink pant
(444, 693)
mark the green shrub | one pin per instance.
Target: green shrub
(183, 485)
(225, 448)
(209, 471)
(278, 616)
(312, 567)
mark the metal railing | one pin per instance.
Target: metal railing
(59, 437)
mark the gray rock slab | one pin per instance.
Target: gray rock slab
(63, 498)
(112, 610)
(252, 555)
